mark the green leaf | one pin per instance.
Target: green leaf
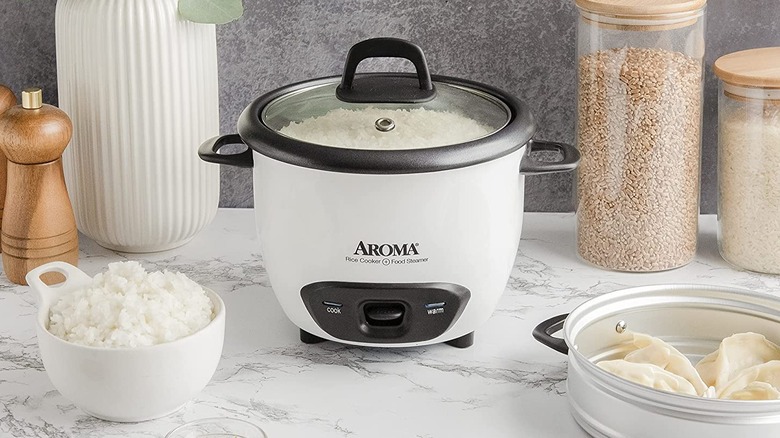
(211, 11)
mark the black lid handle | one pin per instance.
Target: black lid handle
(385, 88)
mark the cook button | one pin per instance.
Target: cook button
(332, 307)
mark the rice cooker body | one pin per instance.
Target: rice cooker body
(430, 253)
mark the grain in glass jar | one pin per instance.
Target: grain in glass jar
(639, 132)
(749, 159)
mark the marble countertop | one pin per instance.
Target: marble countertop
(505, 385)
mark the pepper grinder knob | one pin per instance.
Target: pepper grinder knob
(32, 98)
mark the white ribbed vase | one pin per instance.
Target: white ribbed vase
(140, 84)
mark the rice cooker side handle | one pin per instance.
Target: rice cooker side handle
(208, 151)
(569, 162)
(544, 333)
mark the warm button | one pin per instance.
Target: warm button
(435, 308)
(384, 314)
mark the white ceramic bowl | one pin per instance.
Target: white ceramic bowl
(125, 384)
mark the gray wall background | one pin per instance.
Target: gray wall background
(525, 47)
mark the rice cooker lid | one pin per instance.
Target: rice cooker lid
(386, 122)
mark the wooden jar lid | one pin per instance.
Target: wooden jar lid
(757, 68)
(651, 9)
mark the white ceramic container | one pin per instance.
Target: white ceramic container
(124, 384)
(140, 84)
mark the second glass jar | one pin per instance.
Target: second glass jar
(749, 159)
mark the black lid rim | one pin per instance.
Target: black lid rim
(268, 142)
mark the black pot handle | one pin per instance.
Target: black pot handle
(208, 151)
(544, 333)
(385, 88)
(529, 166)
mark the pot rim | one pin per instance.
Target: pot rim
(517, 132)
(668, 403)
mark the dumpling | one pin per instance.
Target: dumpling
(755, 391)
(749, 379)
(648, 375)
(654, 351)
(735, 354)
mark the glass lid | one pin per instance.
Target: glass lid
(386, 111)
(455, 115)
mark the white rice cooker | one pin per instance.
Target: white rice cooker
(388, 247)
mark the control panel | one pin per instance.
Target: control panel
(385, 312)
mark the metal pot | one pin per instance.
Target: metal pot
(388, 247)
(692, 318)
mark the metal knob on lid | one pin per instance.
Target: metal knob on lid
(384, 124)
(32, 98)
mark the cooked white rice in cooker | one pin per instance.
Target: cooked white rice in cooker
(129, 307)
(414, 129)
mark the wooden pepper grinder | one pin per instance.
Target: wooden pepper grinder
(7, 100)
(38, 226)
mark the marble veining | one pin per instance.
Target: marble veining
(506, 385)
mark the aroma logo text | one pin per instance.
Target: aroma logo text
(386, 249)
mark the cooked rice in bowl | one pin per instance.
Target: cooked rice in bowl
(126, 306)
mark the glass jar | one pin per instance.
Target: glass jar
(749, 159)
(639, 132)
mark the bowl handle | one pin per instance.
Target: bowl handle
(74, 278)
(544, 333)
